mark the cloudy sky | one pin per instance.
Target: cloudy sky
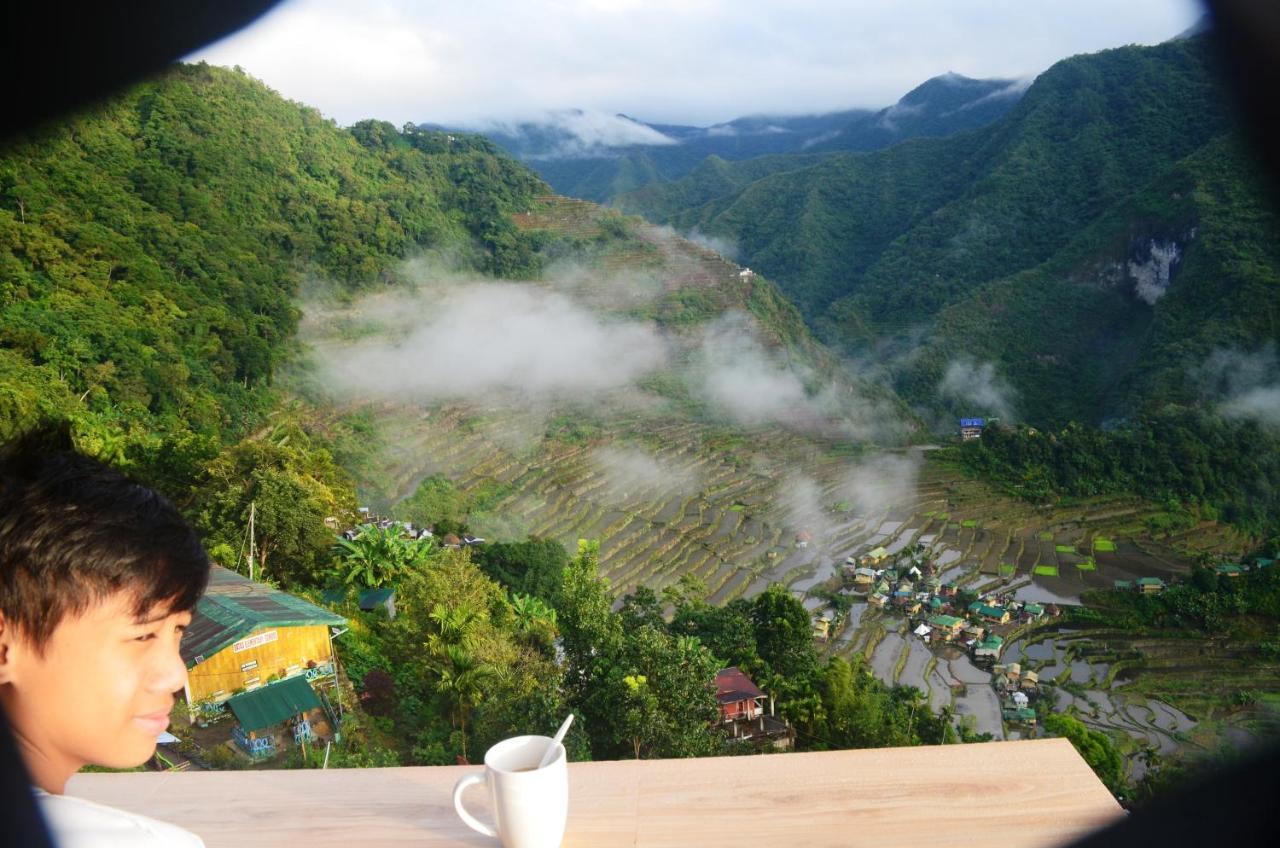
(683, 61)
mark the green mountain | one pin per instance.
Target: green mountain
(152, 247)
(1094, 245)
(158, 255)
(599, 157)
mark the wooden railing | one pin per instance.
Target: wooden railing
(1033, 793)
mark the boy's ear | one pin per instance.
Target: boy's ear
(7, 635)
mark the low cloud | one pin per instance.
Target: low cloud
(572, 133)
(481, 341)
(1243, 385)
(977, 387)
(632, 474)
(755, 386)
(726, 247)
(888, 118)
(801, 506)
(1017, 88)
(883, 482)
(751, 385)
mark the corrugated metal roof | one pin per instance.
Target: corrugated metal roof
(370, 598)
(732, 686)
(234, 606)
(273, 703)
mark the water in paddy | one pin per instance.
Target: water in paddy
(885, 658)
(947, 557)
(913, 671)
(825, 571)
(939, 691)
(1037, 592)
(981, 702)
(1082, 671)
(966, 672)
(904, 539)
(1039, 652)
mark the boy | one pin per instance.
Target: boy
(98, 578)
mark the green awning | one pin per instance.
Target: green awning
(370, 598)
(273, 703)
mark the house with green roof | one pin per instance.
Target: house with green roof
(246, 635)
(998, 615)
(1229, 569)
(989, 648)
(947, 626)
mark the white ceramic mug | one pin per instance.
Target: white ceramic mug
(530, 804)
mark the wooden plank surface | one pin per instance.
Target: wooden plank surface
(1031, 793)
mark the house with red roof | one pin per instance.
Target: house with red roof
(742, 711)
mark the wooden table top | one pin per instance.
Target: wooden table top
(1028, 793)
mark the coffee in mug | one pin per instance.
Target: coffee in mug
(530, 804)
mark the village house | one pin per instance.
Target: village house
(971, 428)
(864, 577)
(948, 590)
(1149, 585)
(1229, 569)
(822, 625)
(1030, 680)
(742, 711)
(1032, 612)
(875, 556)
(878, 599)
(1018, 715)
(244, 639)
(803, 538)
(995, 615)
(923, 631)
(973, 630)
(948, 626)
(280, 713)
(989, 648)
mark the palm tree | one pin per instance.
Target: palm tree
(455, 625)
(535, 621)
(462, 679)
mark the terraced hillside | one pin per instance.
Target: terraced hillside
(673, 482)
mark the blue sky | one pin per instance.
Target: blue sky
(680, 61)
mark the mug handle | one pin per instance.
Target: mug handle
(468, 819)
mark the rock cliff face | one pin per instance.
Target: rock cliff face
(1154, 263)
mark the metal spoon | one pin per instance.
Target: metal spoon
(559, 737)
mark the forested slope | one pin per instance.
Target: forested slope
(151, 249)
(1029, 242)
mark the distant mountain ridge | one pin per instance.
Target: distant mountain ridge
(597, 157)
(1092, 248)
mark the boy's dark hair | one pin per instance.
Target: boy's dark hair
(74, 531)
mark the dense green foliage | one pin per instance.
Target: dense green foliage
(1016, 243)
(150, 252)
(1094, 746)
(1204, 465)
(1205, 601)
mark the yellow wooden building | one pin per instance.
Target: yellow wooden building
(246, 635)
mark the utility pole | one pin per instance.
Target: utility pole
(252, 508)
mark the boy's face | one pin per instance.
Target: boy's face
(101, 690)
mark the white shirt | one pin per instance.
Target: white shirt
(77, 823)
